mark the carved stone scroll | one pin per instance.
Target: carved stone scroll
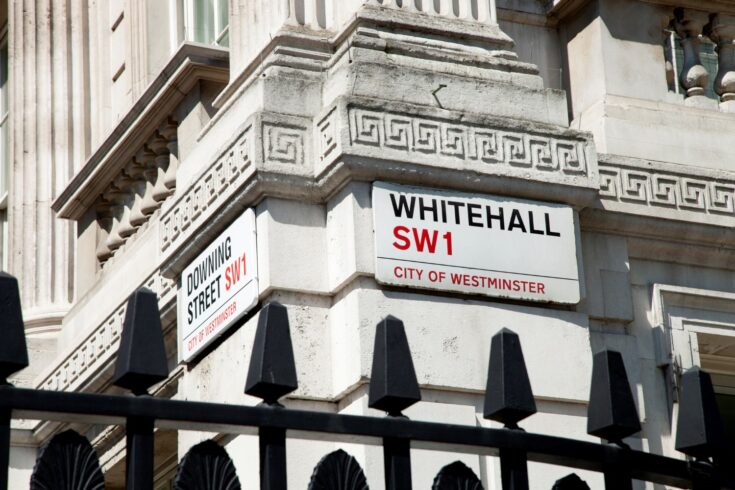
(338, 471)
(206, 466)
(456, 476)
(67, 462)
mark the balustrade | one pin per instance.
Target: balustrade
(690, 25)
(722, 32)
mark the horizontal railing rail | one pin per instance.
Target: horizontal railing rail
(188, 415)
(393, 387)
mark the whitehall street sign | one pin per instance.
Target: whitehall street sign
(474, 243)
(218, 287)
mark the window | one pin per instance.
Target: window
(202, 21)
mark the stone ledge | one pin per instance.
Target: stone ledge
(187, 66)
(668, 191)
(432, 137)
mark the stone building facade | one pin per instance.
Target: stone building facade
(135, 131)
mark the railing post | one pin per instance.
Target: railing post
(699, 430)
(4, 447)
(509, 399)
(140, 450)
(616, 469)
(612, 415)
(513, 469)
(397, 463)
(271, 375)
(141, 363)
(272, 458)
(393, 388)
(13, 358)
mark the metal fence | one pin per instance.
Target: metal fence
(69, 461)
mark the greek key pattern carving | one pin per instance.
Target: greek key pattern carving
(327, 134)
(102, 343)
(464, 141)
(212, 184)
(283, 144)
(667, 189)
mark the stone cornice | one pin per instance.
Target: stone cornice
(190, 64)
(662, 190)
(322, 44)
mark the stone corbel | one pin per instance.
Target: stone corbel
(116, 195)
(158, 145)
(147, 160)
(104, 220)
(688, 25)
(721, 30)
(169, 132)
(135, 171)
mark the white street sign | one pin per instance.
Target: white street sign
(218, 287)
(474, 243)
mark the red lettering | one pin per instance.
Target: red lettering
(405, 242)
(448, 237)
(424, 240)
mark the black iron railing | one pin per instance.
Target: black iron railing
(393, 387)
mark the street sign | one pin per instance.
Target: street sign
(475, 243)
(218, 287)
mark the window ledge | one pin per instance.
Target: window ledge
(190, 64)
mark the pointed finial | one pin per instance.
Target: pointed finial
(508, 396)
(13, 351)
(699, 430)
(141, 358)
(393, 384)
(272, 372)
(611, 413)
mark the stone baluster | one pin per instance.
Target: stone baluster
(722, 31)
(104, 222)
(688, 24)
(158, 145)
(465, 10)
(409, 5)
(311, 17)
(446, 8)
(169, 132)
(486, 11)
(292, 19)
(147, 160)
(135, 171)
(429, 7)
(116, 196)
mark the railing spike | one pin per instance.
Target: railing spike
(508, 395)
(272, 372)
(393, 383)
(611, 413)
(141, 358)
(699, 431)
(13, 350)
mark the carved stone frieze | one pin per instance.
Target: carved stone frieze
(99, 347)
(270, 142)
(213, 183)
(466, 142)
(652, 188)
(456, 140)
